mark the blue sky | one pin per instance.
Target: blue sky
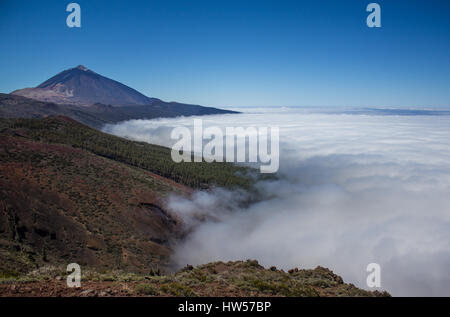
(239, 53)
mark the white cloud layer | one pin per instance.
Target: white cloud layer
(354, 189)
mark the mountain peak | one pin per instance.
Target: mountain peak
(82, 67)
(81, 86)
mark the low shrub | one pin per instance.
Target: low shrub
(146, 289)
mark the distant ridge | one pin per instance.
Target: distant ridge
(98, 114)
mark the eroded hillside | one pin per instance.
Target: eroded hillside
(69, 193)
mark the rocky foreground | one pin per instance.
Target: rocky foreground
(214, 279)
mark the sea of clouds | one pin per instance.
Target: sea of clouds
(354, 187)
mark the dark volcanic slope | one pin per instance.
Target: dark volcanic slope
(81, 86)
(96, 115)
(12, 106)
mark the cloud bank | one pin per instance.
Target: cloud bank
(354, 188)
